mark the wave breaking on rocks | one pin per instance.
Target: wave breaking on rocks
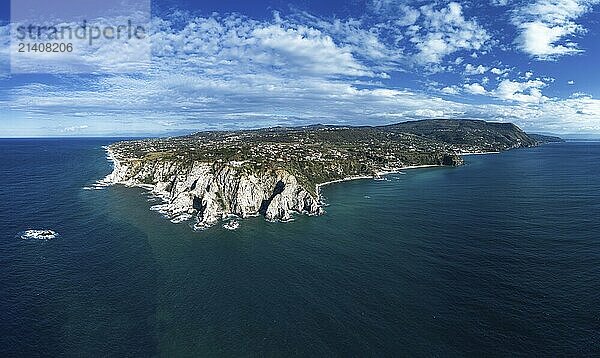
(44, 234)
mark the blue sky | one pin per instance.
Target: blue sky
(233, 64)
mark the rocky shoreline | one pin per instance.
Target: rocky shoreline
(210, 196)
(200, 190)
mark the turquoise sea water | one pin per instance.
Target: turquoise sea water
(500, 257)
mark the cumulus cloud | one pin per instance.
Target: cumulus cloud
(306, 49)
(475, 70)
(529, 92)
(498, 71)
(238, 42)
(408, 33)
(445, 31)
(475, 88)
(450, 90)
(546, 27)
(367, 43)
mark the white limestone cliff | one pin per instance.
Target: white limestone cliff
(210, 193)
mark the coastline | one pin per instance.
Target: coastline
(476, 153)
(110, 179)
(110, 156)
(387, 172)
(318, 186)
(107, 181)
(393, 171)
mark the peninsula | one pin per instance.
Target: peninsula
(276, 172)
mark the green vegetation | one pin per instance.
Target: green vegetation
(320, 153)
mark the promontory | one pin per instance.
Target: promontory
(276, 172)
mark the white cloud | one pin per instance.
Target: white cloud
(363, 41)
(571, 82)
(472, 70)
(450, 90)
(577, 115)
(529, 92)
(307, 49)
(445, 31)
(118, 54)
(498, 71)
(475, 88)
(398, 11)
(546, 27)
(76, 128)
(410, 16)
(223, 43)
(429, 113)
(406, 35)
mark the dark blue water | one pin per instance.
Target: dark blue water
(500, 257)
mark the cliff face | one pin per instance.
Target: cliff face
(209, 193)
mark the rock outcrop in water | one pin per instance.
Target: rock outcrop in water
(38, 234)
(275, 172)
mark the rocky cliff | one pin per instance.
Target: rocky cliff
(209, 192)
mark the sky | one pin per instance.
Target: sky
(247, 64)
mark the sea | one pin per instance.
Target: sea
(499, 257)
